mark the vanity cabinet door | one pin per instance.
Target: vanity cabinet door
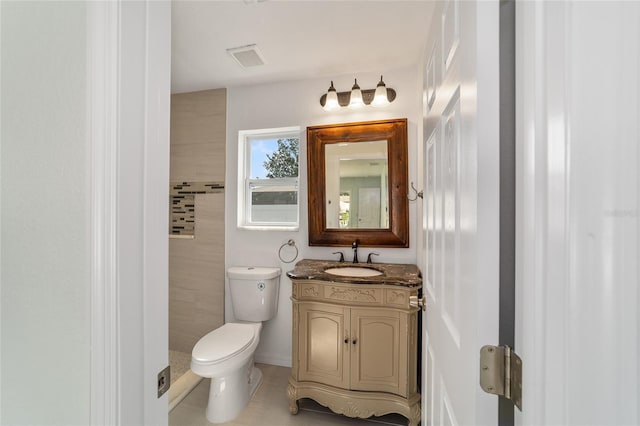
(323, 344)
(379, 340)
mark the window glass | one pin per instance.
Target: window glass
(269, 197)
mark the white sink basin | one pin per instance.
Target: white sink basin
(353, 271)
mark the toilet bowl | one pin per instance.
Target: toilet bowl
(225, 355)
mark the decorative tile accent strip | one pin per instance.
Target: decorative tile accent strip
(183, 204)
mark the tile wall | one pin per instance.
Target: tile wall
(183, 209)
(196, 253)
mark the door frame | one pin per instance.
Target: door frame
(128, 109)
(577, 325)
(540, 80)
(102, 80)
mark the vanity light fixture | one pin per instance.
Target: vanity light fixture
(356, 98)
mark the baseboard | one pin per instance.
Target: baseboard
(272, 360)
(182, 387)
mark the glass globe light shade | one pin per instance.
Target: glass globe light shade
(331, 102)
(380, 96)
(356, 96)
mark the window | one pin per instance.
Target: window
(268, 178)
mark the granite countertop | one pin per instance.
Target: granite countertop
(399, 274)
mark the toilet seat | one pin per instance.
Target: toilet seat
(224, 343)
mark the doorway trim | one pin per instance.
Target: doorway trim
(102, 105)
(128, 85)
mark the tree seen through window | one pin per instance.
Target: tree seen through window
(284, 161)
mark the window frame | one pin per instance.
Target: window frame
(245, 182)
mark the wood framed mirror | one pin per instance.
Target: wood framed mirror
(357, 184)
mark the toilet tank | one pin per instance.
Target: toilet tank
(254, 292)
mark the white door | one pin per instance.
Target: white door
(368, 207)
(460, 164)
(578, 212)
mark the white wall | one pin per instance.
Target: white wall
(296, 103)
(45, 273)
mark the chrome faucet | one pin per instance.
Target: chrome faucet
(354, 246)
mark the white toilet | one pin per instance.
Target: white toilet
(226, 354)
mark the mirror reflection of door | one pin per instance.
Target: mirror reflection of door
(368, 208)
(357, 177)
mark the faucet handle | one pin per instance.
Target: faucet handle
(341, 255)
(372, 254)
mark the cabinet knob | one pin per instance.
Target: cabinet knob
(346, 340)
(354, 341)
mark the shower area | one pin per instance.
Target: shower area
(196, 229)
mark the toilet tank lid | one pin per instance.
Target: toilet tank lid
(253, 272)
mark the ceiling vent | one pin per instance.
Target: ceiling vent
(247, 56)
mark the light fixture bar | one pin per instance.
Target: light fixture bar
(367, 97)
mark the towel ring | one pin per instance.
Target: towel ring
(290, 243)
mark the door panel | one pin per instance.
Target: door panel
(369, 208)
(381, 339)
(431, 213)
(447, 417)
(461, 181)
(323, 353)
(450, 167)
(450, 33)
(430, 387)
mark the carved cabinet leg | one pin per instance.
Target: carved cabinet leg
(415, 415)
(293, 406)
(293, 399)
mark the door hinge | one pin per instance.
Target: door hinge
(501, 373)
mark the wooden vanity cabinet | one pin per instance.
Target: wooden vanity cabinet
(355, 348)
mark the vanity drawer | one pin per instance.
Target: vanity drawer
(358, 294)
(307, 291)
(337, 293)
(397, 297)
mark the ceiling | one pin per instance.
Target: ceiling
(298, 39)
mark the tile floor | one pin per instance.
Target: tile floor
(269, 407)
(180, 363)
